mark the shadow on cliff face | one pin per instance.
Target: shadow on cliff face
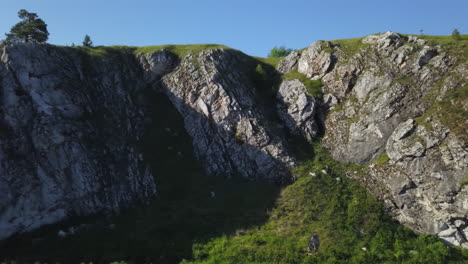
(190, 206)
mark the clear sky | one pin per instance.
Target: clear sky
(253, 26)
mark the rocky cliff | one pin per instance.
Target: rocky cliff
(398, 105)
(72, 124)
(69, 133)
(216, 96)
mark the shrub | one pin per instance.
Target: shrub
(277, 52)
(456, 34)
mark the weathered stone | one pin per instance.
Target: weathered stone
(368, 82)
(314, 243)
(384, 42)
(400, 145)
(297, 109)
(289, 63)
(330, 100)
(416, 40)
(378, 104)
(373, 97)
(157, 64)
(315, 62)
(425, 55)
(230, 133)
(68, 127)
(341, 80)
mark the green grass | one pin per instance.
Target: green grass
(98, 51)
(162, 231)
(451, 112)
(464, 182)
(326, 48)
(349, 47)
(179, 50)
(314, 87)
(404, 80)
(458, 48)
(270, 61)
(382, 159)
(345, 216)
(246, 222)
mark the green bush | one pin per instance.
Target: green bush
(277, 52)
(456, 34)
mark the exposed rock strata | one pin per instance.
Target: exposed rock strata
(68, 124)
(297, 109)
(382, 88)
(217, 101)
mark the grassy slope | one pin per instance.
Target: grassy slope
(179, 50)
(457, 48)
(314, 87)
(247, 222)
(346, 218)
(451, 110)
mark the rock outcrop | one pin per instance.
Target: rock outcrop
(71, 125)
(68, 131)
(381, 92)
(217, 101)
(297, 109)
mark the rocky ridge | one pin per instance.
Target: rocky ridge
(72, 127)
(68, 131)
(380, 97)
(217, 101)
(72, 124)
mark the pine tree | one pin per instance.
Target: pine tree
(87, 41)
(456, 34)
(30, 29)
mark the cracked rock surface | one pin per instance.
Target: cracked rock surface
(378, 98)
(68, 127)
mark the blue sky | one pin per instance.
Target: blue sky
(253, 26)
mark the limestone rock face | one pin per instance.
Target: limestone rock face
(230, 133)
(157, 64)
(400, 145)
(297, 109)
(68, 124)
(289, 63)
(315, 62)
(379, 97)
(71, 125)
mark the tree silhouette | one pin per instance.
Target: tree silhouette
(87, 41)
(30, 29)
(456, 34)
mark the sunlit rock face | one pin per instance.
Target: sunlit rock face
(381, 95)
(71, 125)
